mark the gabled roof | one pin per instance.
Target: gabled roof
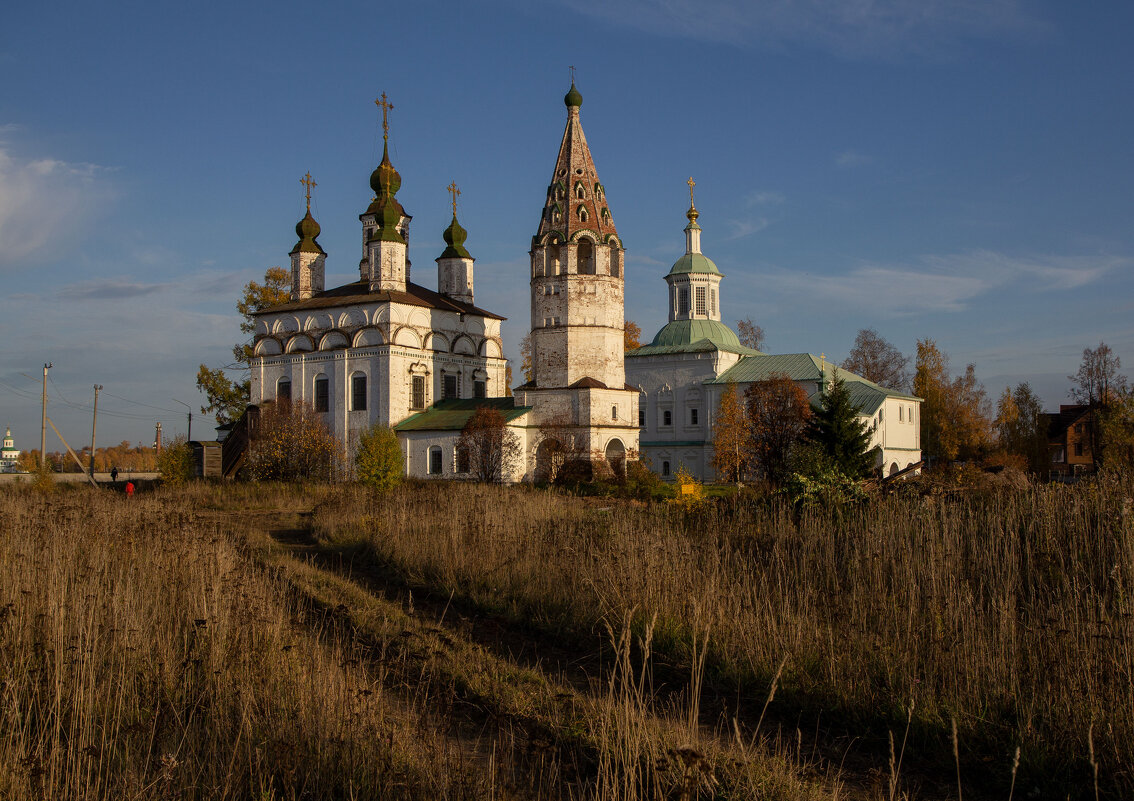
(453, 414)
(359, 292)
(865, 395)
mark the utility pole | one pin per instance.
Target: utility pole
(43, 424)
(189, 436)
(94, 426)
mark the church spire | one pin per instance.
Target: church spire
(692, 231)
(386, 181)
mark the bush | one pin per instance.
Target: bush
(379, 461)
(293, 444)
(175, 462)
(824, 488)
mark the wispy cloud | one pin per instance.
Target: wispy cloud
(946, 283)
(109, 290)
(851, 158)
(866, 28)
(45, 204)
(738, 229)
(763, 198)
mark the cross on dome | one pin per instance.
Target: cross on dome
(386, 107)
(454, 193)
(307, 181)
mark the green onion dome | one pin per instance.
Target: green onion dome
(573, 98)
(455, 237)
(385, 180)
(307, 229)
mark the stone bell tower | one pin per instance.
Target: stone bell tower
(577, 285)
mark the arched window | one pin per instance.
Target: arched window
(580, 191)
(667, 418)
(283, 389)
(358, 392)
(615, 263)
(553, 256)
(665, 468)
(586, 257)
(435, 460)
(322, 394)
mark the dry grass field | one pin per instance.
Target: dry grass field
(470, 641)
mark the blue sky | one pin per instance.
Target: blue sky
(958, 170)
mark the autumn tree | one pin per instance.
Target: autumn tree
(631, 336)
(750, 334)
(175, 462)
(491, 448)
(778, 414)
(730, 437)
(875, 359)
(1021, 427)
(226, 398)
(293, 443)
(954, 417)
(840, 434)
(1098, 384)
(1117, 432)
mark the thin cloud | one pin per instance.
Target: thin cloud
(45, 205)
(947, 283)
(764, 198)
(742, 228)
(872, 29)
(850, 158)
(109, 290)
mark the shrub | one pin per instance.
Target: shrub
(379, 461)
(293, 444)
(175, 462)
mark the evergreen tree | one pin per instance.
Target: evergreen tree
(839, 432)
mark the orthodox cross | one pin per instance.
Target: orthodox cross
(454, 193)
(308, 182)
(692, 184)
(572, 68)
(385, 105)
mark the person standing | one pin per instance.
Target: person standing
(129, 489)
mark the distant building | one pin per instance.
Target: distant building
(691, 361)
(9, 454)
(1069, 439)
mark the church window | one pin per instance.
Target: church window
(665, 468)
(667, 418)
(322, 394)
(713, 302)
(683, 300)
(692, 417)
(615, 264)
(613, 412)
(699, 296)
(283, 389)
(480, 389)
(452, 385)
(901, 414)
(358, 392)
(435, 460)
(581, 213)
(580, 192)
(417, 400)
(641, 418)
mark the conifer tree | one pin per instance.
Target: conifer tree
(840, 434)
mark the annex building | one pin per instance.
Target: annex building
(691, 361)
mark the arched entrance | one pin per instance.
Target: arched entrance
(548, 460)
(616, 456)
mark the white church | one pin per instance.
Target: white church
(387, 350)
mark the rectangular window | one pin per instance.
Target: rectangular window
(1079, 448)
(700, 298)
(283, 390)
(435, 461)
(713, 302)
(358, 393)
(667, 418)
(480, 389)
(452, 386)
(692, 417)
(322, 395)
(417, 401)
(683, 300)
(901, 414)
(641, 418)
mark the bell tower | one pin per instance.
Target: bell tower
(578, 381)
(308, 259)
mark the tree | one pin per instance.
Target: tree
(730, 437)
(526, 358)
(875, 359)
(379, 462)
(631, 336)
(1097, 384)
(750, 334)
(1021, 427)
(293, 443)
(778, 412)
(1117, 433)
(227, 399)
(490, 447)
(840, 433)
(954, 418)
(175, 462)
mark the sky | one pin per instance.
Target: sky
(957, 170)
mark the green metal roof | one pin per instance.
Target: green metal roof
(694, 263)
(693, 336)
(453, 414)
(865, 395)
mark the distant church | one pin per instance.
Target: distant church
(9, 454)
(387, 350)
(691, 361)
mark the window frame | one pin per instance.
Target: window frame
(357, 394)
(322, 394)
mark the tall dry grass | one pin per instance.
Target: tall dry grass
(142, 655)
(1010, 612)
